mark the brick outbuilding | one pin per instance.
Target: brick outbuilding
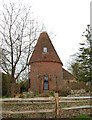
(45, 66)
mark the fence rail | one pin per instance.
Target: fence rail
(47, 100)
(78, 107)
(43, 99)
(33, 111)
(27, 99)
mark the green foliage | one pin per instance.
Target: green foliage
(36, 93)
(81, 67)
(83, 117)
(52, 93)
(75, 69)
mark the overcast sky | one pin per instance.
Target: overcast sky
(66, 19)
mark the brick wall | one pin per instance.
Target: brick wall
(39, 69)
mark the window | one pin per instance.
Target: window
(46, 83)
(45, 50)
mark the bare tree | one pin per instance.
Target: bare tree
(18, 32)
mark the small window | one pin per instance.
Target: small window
(45, 50)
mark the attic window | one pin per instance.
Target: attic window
(45, 49)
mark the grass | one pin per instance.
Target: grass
(83, 117)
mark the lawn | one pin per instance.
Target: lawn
(83, 117)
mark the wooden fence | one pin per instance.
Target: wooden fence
(47, 100)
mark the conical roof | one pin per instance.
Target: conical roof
(49, 55)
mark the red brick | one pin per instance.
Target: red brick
(45, 64)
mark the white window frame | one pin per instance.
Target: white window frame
(45, 49)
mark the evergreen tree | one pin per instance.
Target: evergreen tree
(82, 66)
(84, 57)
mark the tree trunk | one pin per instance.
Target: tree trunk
(13, 86)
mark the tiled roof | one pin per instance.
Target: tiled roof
(67, 75)
(38, 54)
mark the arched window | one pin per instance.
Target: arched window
(46, 86)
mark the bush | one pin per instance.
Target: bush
(52, 93)
(65, 91)
(36, 94)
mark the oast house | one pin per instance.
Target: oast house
(46, 71)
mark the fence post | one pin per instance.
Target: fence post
(57, 104)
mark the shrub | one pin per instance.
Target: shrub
(65, 91)
(36, 94)
(52, 93)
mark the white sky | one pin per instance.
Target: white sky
(67, 19)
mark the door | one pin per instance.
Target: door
(45, 83)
